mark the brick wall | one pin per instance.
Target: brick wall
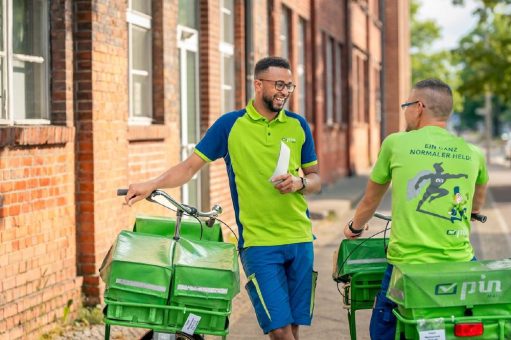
(37, 204)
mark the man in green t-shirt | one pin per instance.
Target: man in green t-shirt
(438, 180)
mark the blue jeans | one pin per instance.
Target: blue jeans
(383, 321)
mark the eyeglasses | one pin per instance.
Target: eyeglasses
(404, 105)
(280, 84)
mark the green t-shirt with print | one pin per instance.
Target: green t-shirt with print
(433, 176)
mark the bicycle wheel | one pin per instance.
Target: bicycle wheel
(184, 336)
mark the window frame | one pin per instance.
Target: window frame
(141, 21)
(226, 50)
(8, 63)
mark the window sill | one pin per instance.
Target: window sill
(13, 136)
(146, 133)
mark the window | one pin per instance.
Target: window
(329, 81)
(140, 65)
(227, 55)
(24, 79)
(338, 84)
(249, 49)
(300, 68)
(285, 22)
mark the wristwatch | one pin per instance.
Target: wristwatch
(304, 184)
(354, 231)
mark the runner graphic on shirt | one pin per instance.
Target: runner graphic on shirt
(434, 191)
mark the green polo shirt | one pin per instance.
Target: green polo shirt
(250, 146)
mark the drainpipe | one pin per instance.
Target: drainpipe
(349, 106)
(383, 115)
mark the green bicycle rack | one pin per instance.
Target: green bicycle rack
(157, 283)
(442, 297)
(359, 266)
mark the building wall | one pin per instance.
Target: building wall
(37, 204)
(59, 213)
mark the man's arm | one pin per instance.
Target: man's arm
(479, 198)
(173, 177)
(288, 183)
(366, 208)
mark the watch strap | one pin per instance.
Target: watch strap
(354, 231)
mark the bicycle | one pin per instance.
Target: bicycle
(168, 282)
(434, 301)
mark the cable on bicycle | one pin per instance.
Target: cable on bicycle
(354, 249)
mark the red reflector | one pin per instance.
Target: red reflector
(468, 329)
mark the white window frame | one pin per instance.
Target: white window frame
(300, 67)
(285, 24)
(338, 83)
(329, 91)
(144, 21)
(226, 50)
(10, 58)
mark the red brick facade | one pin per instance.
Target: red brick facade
(58, 209)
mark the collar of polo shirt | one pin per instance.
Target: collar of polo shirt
(252, 113)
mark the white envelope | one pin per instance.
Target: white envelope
(282, 162)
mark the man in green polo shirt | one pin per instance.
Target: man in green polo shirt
(438, 180)
(275, 235)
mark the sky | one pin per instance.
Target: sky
(455, 21)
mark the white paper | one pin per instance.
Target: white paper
(436, 334)
(283, 161)
(191, 324)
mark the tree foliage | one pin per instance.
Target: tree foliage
(425, 62)
(484, 59)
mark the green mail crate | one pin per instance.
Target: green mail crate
(138, 268)
(206, 278)
(190, 228)
(360, 262)
(475, 289)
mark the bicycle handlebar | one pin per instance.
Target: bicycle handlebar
(157, 195)
(478, 217)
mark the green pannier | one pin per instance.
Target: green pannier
(360, 255)
(138, 269)
(453, 290)
(165, 226)
(206, 278)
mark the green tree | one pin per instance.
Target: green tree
(427, 63)
(484, 61)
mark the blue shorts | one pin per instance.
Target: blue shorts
(281, 283)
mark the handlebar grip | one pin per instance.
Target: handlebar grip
(479, 217)
(122, 192)
(383, 217)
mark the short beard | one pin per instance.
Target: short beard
(269, 104)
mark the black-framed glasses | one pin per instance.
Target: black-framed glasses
(280, 84)
(404, 105)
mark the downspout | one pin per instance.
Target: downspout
(349, 73)
(383, 106)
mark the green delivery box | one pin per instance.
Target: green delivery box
(360, 262)
(206, 278)
(454, 290)
(165, 226)
(138, 269)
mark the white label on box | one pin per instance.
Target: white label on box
(191, 324)
(436, 334)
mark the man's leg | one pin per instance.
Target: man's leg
(295, 329)
(301, 282)
(267, 289)
(383, 322)
(283, 333)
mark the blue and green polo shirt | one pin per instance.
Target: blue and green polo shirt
(250, 146)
